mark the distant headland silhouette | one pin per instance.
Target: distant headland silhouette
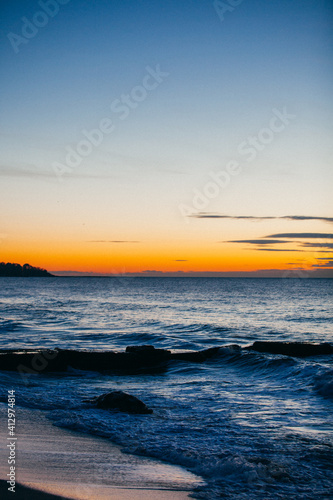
(16, 270)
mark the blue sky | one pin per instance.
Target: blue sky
(224, 80)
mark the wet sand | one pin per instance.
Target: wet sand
(83, 467)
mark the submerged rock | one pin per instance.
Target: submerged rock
(119, 400)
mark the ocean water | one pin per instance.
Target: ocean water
(252, 425)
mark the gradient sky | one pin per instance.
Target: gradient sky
(144, 198)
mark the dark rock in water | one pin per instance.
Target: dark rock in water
(136, 359)
(142, 348)
(147, 359)
(29, 361)
(195, 356)
(148, 352)
(121, 401)
(296, 349)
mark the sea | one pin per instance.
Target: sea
(251, 425)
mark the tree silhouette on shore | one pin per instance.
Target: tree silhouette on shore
(16, 270)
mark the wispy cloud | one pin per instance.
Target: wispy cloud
(33, 173)
(278, 250)
(180, 260)
(317, 245)
(307, 217)
(207, 215)
(113, 241)
(262, 273)
(274, 239)
(302, 235)
(24, 172)
(259, 242)
(326, 264)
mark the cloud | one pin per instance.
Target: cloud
(76, 273)
(180, 260)
(326, 264)
(302, 235)
(260, 273)
(268, 240)
(317, 245)
(207, 215)
(307, 217)
(278, 250)
(259, 242)
(25, 172)
(112, 241)
(33, 172)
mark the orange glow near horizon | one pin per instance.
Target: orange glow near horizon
(172, 149)
(138, 257)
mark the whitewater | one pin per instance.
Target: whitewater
(252, 425)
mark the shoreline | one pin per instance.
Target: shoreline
(79, 466)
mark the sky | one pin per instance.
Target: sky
(167, 138)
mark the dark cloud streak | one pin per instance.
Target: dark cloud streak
(317, 245)
(302, 235)
(206, 215)
(278, 250)
(112, 241)
(259, 242)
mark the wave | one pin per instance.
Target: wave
(197, 327)
(306, 319)
(7, 325)
(225, 457)
(323, 382)
(308, 374)
(237, 355)
(202, 415)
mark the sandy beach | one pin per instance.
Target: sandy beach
(77, 466)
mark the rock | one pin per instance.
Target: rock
(148, 352)
(29, 361)
(137, 359)
(297, 349)
(119, 400)
(195, 356)
(141, 348)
